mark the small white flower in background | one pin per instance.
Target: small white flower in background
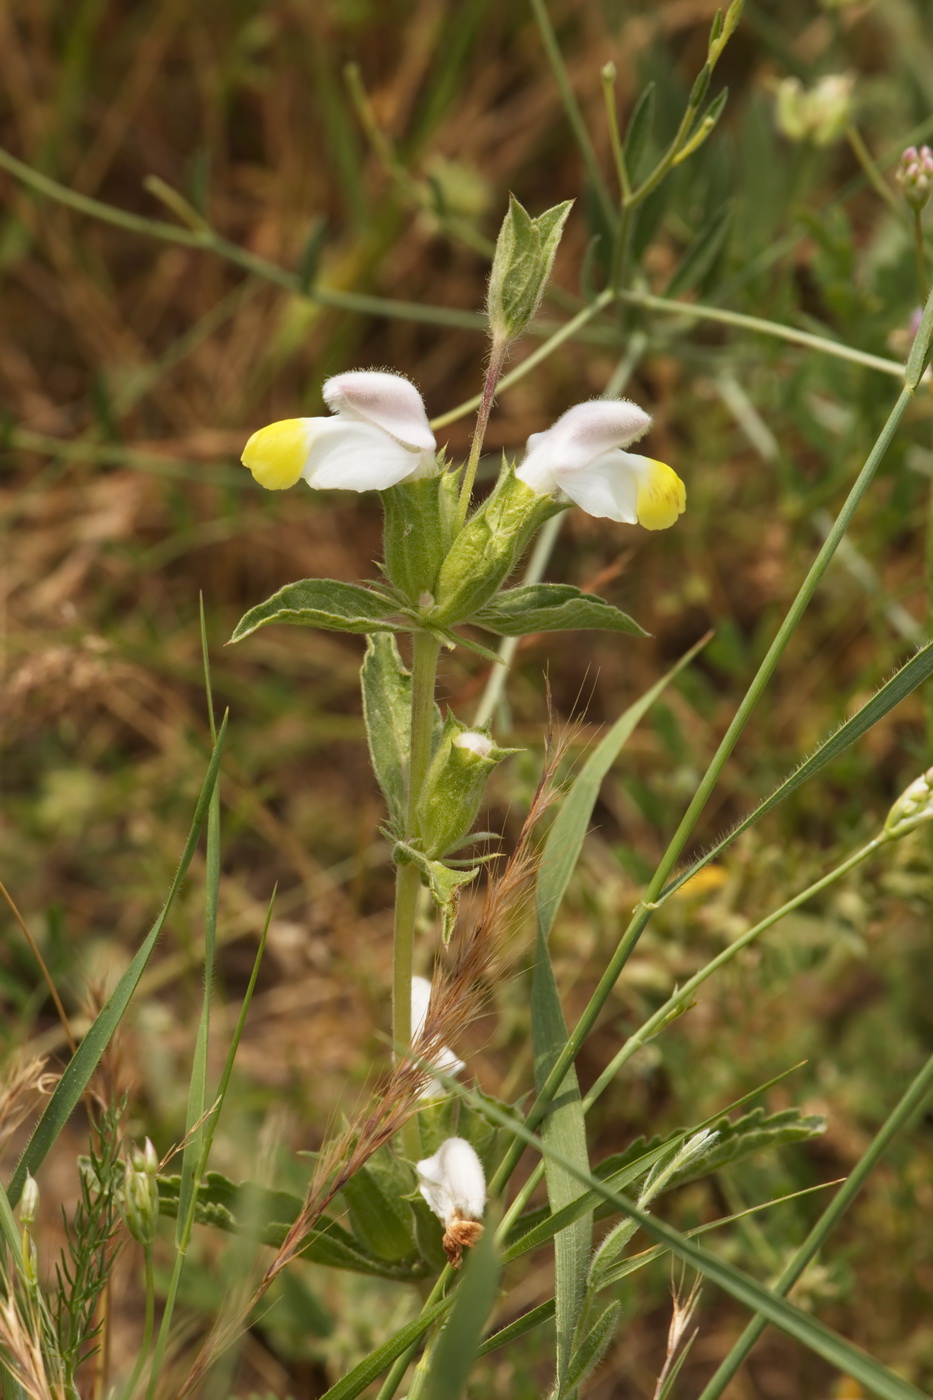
(914, 174)
(582, 456)
(445, 1060)
(453, 1184)
(915, 805)
(819, 114)
(378, 435)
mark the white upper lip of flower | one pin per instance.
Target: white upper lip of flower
(378, 436)
(445, 1060)
(452, 1182)
(581, 456)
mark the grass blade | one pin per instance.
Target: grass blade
(912, 1100)
(458, 1344)
(82, 1064)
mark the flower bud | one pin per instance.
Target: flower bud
(913, 807)
(489, 546)
(453, 1184)
(819, 114)
(521, 267)
(29, 1202)
(914, 174)
(454, 786)
(141, 1194)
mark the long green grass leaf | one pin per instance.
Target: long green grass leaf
(372, 1366)
(82, 1064)
(911, 1101)
(457, 1346)
(912, 674)
(849, 1359)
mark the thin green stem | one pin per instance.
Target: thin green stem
(572, 109)
(211, 242)
(146, 1341)
(762, 678)
(553, 342)
(763, 327)
(615, 139)
(920, 255)
(680, 1000)
(397, 1371)
(911, 1101)
(493, 371)
(873, 175)
(408, 881)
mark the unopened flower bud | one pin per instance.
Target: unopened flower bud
(141, 1194)
(453, 1184)
(454, 786)
(914, 806)
(819, 114)
(521, 267)
(29, 1201)
(914, 174)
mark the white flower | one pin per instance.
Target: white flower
(378, 436)
(581, 456)
(445, 1060)
(453, 1184)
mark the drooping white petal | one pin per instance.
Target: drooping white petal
(349, 455)
(452, 1182)
(606, 487)
(385, 400)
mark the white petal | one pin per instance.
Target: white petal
(353, 456)
(607, 487)
(445, 1060)
(452, 1181)
(420, 997)
(385, 400)
(580, 436)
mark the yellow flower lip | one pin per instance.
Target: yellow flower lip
(276, 454)
(661, 496)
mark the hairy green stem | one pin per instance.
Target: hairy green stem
(643, 912)
(493, 371)
(127, 1391)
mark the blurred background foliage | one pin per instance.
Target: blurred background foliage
(367, 150)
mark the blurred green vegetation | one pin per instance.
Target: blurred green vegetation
(131, 372)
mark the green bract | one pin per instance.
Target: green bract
(418, 527)
(453, 789)
(489, 547)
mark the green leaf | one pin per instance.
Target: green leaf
(379, 1213)
(459, 1342)
(638, 135)
(588, 1353)
(835, 1349)
(266, 1215)
(565, 838)
(551, 607)
(702, 252)
(86, 1058)
(443, 883)
(386, 686)
(324, 603)
(754, 1132)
